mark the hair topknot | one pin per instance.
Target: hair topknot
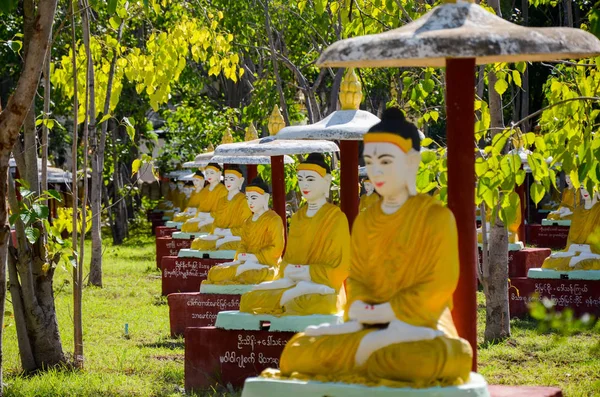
(216, 165)
(318, 159)
(259, 182)
(393, 113)
(393, 121)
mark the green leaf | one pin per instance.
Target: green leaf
(114, 22)
(8, 6)
(516, 77)
(426, 142)
(428, 85)
(112, 6)
(521, 66)
(501, 86)
(481, 167)
(135, 166)
(41, 211)
(55, 195)
(130, 128)
(537, 192)
(26, 193)
(32, 234)
(13, 218)
(435, 115)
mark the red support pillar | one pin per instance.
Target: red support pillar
(460, 114)
(278, 186)
(349, 180)
(250, 172)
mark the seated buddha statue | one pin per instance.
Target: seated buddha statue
(179, 200)
(570, 200)
(229, 214)
(194, 200)
(513, 228)
(316, 260)
(583, 241)
(208, 200)
(167, 202)
(397, 329)
(370, 197)
(258, 255)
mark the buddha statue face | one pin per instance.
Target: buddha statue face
(180, 186)
(313, 186)
(368, 187)
(569, 182)
(188, 190)
(257, 202)
(198, 183)
(212, 175)
(390, 169)
(172, 186)
(585, 194)
(233, 182)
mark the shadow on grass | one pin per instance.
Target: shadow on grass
(165, 344)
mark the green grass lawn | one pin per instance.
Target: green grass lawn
(147, 362)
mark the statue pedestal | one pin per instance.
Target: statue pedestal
(156, 222)
(582, 296)
(168, 246)
(164, 231)
(184, 274)
(195, 309)
(176, 225)
(554, 237)
(215, 355)
(519, 262)
(235, 320)
(259, 387)
(552, 222)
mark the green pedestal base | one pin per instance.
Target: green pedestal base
(234, 319)
(233, 289)
(552, 222)
(190, 253)
(540, 273)
(260, 387)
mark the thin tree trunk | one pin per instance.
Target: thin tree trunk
(77, 321)
(568, 6)
(335, 90)
(526, 126)
(278, 83)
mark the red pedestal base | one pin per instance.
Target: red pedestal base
(167, 246)
(554, 237)
(156, 223)
(185, 274)
(229, 357)
(193, 309)
(582, 296)
(523, 391)
(519, 262)
(164, 231)
(151, 215)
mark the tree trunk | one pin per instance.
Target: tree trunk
(524, 111)
(568, 7)
(279, 84)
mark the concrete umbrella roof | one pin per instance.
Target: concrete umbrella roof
(248, 159)
(270, 146)
(461, 30)
(200, 160)
(339, 125)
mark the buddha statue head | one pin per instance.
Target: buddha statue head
(213, 172)
(589, 199)
(198, 181)
(392, 154)
(172, 185)
(180, 185)
(233, 178)
(314, 177)
(368, 185)
(257, 194)
(569, 182)
(188, 189)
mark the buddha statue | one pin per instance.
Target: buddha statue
(194, 200)
(513, 230)
(316, 260)
(179, 200)
(570, 200)
(167, 203)
(583, 242)
(397, 329)
(370, 197)
(258, 255)
(229, 215)
(208, 200)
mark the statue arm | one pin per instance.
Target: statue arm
(270, 254)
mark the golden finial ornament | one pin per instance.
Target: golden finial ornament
(350, 91)
(210, 148)
(227, 136)
(276, 121)
(251, 133)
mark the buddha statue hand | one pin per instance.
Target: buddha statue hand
(249, 266)
(226, 264)
(222, 232)
(245, 257)
(305, 288)
(227, 239)
(202, 217)
(371, 314)
(396, 332)
(348, 327)
(191, 211)
(281, 283)
(297, 272)
(582, 257)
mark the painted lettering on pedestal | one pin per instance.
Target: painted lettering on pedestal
(220, 303)
(554, 232)
(562, 295)
(186, 268)
(251, 350)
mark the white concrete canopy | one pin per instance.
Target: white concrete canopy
(339, 125)
(57, 175)
(270, 146)
(248, 159)
(461, 30)
(177, 174)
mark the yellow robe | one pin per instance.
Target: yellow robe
(263, 238)
(208, 202)
(169, 197)
(323, 243)
(513, 228)
(585, 229)
(409, 259)
(228, 214)
(367, 201)
(193, 202)
(570, 199)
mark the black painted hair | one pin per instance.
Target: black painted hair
(317, 159)
(234, 167)
(199, 173)
(258, 182)
(216, 165)
(394, 121)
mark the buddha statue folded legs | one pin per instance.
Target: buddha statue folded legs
(315, 264)
(229, 215)
(262, 240)
(194, 200)
(398, 329)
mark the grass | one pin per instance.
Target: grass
(147, 362)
